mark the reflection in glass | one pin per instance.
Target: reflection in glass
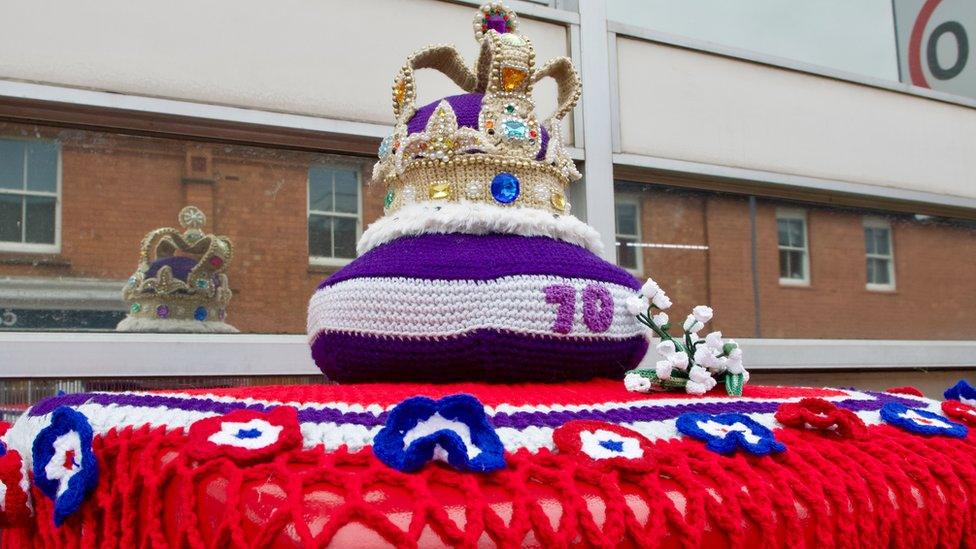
(42, 166)
(12, 164)
(40, 220)
(11, 210)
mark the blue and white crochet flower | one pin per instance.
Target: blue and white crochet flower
(920, 421)
(724, 433)
(454, 429)
(963, 392)
(65, 468)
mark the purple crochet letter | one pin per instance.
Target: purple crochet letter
(565, 296)
(597, 308)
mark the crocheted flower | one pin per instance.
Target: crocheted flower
(821, 414)
(245, 435)
(963, 392)
(604, 443)
(921, 421)
(65, 468)
(724, 433)
(454, 429)
(14, 489)
(960, 412)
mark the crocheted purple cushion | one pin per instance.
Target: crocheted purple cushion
(497, 308)
(180, 265)
(466, 107)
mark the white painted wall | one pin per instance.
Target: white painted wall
(329, 58)
(687, 105)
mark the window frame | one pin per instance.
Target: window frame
(626, 198)
(32, 247)
(325, 261)
(874, 222)
(800, 215)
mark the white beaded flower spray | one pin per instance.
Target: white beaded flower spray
(688, 362)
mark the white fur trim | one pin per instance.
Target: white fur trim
(476, 218)
(134, 324)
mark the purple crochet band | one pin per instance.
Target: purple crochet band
(517, 420)
(467, 107)
(481, 355)
(481, 257)
(180, 265)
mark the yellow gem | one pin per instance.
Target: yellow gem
(439, 191)
(558, 201)
(449, 144)
(400, 91)
(512, 78)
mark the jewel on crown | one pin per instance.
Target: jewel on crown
(180, 283)
(486, 146)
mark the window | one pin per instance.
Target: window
(628, 234)
(333, 214)
(880, 256)
(29, 186)
(794, 264)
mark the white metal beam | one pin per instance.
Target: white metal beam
(597, 131)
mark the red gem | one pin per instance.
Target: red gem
(216, 262)
(533, 133)
(69, 460)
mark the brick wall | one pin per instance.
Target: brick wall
(116, 188)
(935, 273)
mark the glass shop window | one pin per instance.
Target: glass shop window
(880, 255)
(29, 191)
(627, 214)
(794, 263)
(333, 214)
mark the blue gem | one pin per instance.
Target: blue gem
(515, 129)
(202, 283)
(505, 188)
(385, 146)
(200, 313)
(248, 433)
(612, 445)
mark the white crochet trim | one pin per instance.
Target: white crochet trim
(133, 324)
(476, 218)
(405, 307)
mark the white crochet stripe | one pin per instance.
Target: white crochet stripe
(405, 307)
(477, 218)
(332, 436)
(376, 409)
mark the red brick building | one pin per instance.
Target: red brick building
(294, 216)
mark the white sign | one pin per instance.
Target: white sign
(935, 44)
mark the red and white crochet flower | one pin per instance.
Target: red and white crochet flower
(603, 443)
(959, 411)
(245, 435)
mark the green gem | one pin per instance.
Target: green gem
(510, 108)
(201, 283)
(388, 200)
(135, 308)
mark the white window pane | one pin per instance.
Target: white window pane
(783, 232)
(345, 237)
(869, 240)
(882, 241)
(11, 164)
(796, 233)
(11, 210)
(346, 191)
(627, 255)
(320, 189)
(878, 271)
(320, 236)
(42, 166)
(40, 219)
(626, 215)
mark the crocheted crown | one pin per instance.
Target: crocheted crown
(486, 146)
(180, 283)
(477, 271)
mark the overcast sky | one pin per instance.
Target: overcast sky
(851, 35)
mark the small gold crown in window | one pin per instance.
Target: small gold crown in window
(180, 283)
(486, 145)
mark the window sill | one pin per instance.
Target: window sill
(327, 262)
(795, 284)
(39, 259)
(112, 354)
(881, 289)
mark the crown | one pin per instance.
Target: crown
(180, 283)
(487, 145)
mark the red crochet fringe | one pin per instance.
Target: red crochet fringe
(889, 489)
